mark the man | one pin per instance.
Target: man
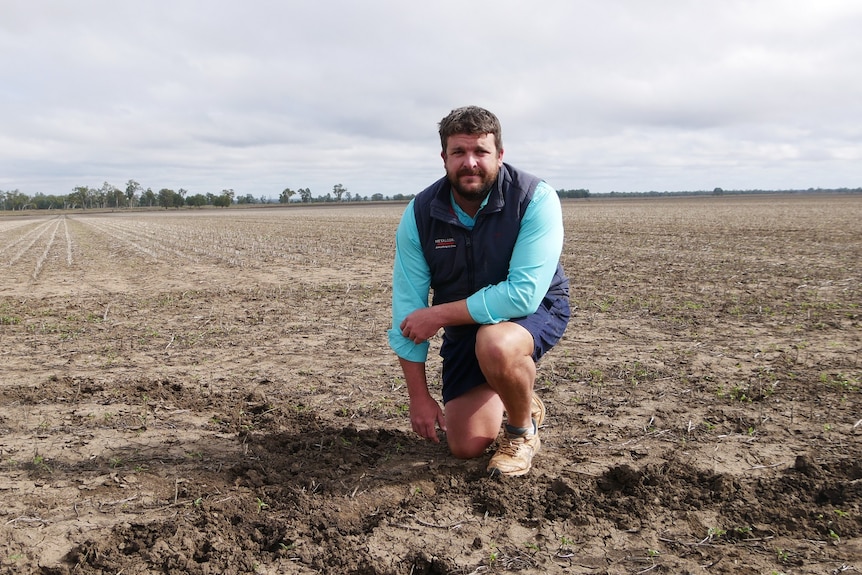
(486, 238)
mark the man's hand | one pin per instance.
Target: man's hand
(421, 325)
(425, 415)
(425, 322)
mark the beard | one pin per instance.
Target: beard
(476, 191)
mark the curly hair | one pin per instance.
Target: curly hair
(471, 120)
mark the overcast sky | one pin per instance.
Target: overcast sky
(256, 96)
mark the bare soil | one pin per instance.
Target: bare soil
(211, 392)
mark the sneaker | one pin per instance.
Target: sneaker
(514, 457)
(537, 410)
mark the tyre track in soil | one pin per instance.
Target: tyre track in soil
(158, 242)
(31, 250)
(139, 241)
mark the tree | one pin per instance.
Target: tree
(79, 197)
(338, 191)
(15, 200)
(43, 202)
(196, 200)
(110, 196)
(169, 198)
(148, 198)
(305, 194)
(132, 190)
(225, 199)
(286, 194)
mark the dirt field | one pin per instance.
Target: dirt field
(211, 392)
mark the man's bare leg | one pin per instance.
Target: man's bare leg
(473, 421)
(505, 355)
(504, 351)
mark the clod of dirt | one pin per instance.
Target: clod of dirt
(805, 465)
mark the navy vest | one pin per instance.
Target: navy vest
(461, 260)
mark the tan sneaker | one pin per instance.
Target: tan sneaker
(514, 457)
(537, 410)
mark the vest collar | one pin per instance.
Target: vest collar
(442, 206)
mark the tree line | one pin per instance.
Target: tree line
(136, 196)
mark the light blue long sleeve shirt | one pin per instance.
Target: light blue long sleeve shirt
(531, 269)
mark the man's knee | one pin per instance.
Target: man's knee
(501, 345)
(470, 448)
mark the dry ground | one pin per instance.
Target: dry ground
(211, 392)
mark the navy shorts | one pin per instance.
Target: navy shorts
(461, 371)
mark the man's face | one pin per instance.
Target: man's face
(472, 163)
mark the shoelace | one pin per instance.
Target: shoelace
(511, 445)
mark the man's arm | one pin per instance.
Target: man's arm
(411, 281)
(425, 412)
(534, 261)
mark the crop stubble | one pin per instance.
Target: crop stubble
(211, 391)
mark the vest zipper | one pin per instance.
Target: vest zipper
(471, 276)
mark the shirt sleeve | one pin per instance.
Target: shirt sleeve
(534, 260)
(411, 282)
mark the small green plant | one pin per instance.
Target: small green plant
(652, 553)
(261, 505)
(840, 513)
(782, 555)
(493, 555)
(40, 463)
(715, 533)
